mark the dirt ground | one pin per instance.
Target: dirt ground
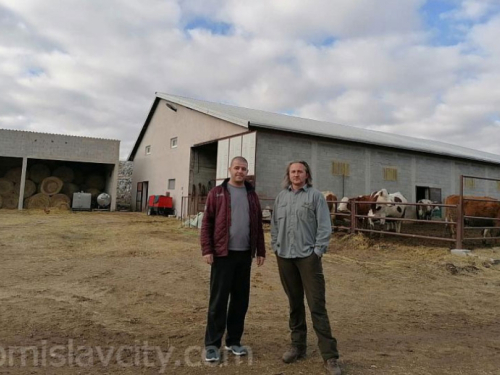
(124, 293)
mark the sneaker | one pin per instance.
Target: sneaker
(237, 349)
(293, 354)
(212, 354)
(332, 367)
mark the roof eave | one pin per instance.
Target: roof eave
(267, 126)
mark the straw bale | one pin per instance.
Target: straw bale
(95, 182)
(38, 201)
(51, 185)
(6, 186)
(60, 201)
(10, 201)
(39, 172)
(66, 174)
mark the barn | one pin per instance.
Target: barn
(185, 145)
(81, 163)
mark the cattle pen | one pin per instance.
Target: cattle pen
(460, 223)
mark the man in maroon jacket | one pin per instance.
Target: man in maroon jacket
(231, 235)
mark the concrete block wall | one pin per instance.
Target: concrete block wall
(33, 145)
(274, 152)
(367, 163)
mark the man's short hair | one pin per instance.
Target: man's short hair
(239, 158)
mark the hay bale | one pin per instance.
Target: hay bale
(38, 201)
(51, 185)
(94, 193)
(6, 186)
(39, 172)
(79, 177)
(66, 174)
(10, 201)
(69, 189)
(60, 201)
(29, 188)
(95, 182)
(14, 175)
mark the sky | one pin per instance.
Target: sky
(427, 69)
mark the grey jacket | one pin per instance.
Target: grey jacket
(301, 223)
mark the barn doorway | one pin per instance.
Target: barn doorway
(141, 197)
(202, 174)
(433, 194)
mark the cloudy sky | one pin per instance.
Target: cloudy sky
(421, 68)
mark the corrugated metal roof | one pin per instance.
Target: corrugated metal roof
(252, 117)
(59, 135)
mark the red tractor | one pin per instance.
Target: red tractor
(160, 205)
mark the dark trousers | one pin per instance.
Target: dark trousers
(229, 281)
(299, 275)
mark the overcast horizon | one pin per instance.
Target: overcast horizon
(426, 69)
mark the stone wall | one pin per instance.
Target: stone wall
(124, 193)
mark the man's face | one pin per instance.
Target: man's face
(297, 174)
(238, 170)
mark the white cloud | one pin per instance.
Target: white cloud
(91, 68)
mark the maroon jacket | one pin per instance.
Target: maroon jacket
(217, 220)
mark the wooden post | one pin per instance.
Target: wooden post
(353, 217)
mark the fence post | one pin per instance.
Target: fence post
(353, 217)
(460, 216)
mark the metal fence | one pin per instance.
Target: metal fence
(460, 223)
(352, 222)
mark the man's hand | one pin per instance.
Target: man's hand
(209, 258)
(260, 261)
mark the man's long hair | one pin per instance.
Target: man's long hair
(286, 180)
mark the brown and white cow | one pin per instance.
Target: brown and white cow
(392, 208)
(488, 208)
(331, 199)
(363, 206)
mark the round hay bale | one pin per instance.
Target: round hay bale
(39, 172)
(95, 182)
(69, 189)
(1, 201)
(6, 186)
(14, 175)
(38, 201)
(94, 192)
(79, 177)
(60, 201)
(66, 174)
(10, 201)
(51, 185)
(29, 188)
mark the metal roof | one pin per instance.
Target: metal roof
(251, 117)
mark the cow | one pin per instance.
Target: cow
(489, 208)
(331, 199)
(362, 208)
(425, 211)
(391, 209)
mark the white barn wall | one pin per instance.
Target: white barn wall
(164, 163)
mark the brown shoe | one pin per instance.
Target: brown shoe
(332, 367)
(293, 354)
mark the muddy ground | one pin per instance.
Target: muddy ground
(124, 293)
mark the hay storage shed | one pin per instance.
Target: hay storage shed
(38, 163)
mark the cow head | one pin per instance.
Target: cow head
(345, 205)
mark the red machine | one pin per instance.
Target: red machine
(160, 205)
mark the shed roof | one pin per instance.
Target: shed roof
(247, 117)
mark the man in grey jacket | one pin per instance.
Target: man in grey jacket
(300, 233)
